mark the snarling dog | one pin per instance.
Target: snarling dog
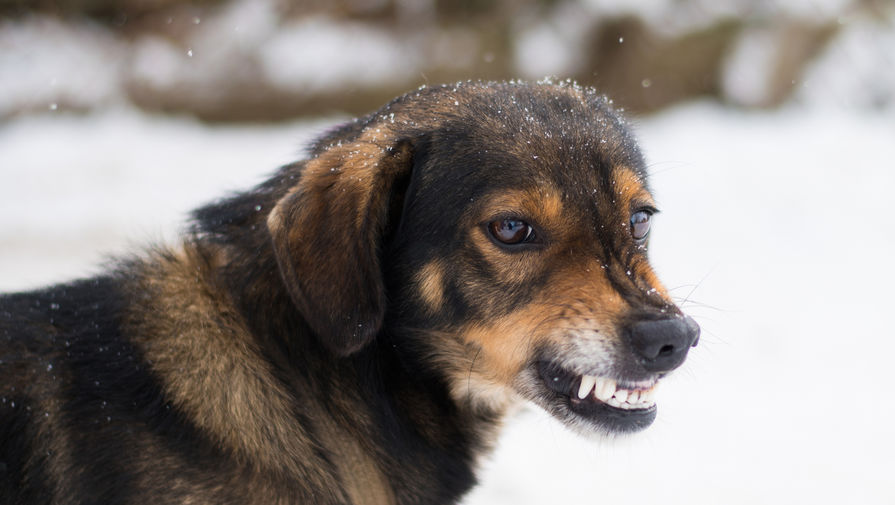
(354, 329)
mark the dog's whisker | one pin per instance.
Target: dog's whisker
(672, 165)
(698, 284)
(682, 286)
(469, 392)
(684, 303)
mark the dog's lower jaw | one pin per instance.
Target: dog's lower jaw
(590, 405)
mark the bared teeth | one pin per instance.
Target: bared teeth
(621, 395)
(607, 391)
(587, 385)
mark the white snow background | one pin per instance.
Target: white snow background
(774, 233)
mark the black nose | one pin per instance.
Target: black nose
(662, 344)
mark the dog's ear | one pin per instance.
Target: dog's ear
(327, 235)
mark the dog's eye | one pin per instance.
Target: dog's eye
(640, 222)
(511, 231)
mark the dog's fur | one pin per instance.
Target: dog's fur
(349, 331)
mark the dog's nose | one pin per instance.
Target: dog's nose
(662, 344)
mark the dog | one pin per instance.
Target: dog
(355, 329)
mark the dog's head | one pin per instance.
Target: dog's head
(499, 229)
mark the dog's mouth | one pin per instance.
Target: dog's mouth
(605, 403)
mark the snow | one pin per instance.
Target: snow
(857, 70)
(44, 61)
(749, 69)
(219, 49)
(318, 53)
(774, 234)
(674, 17)
(77, 188)
(552, 45)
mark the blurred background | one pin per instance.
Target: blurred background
(263, 60)
(769, 128)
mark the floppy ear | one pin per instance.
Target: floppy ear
(327, 233)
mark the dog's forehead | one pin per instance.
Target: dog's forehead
(535, 136)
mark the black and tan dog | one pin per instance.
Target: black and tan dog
(354, 329)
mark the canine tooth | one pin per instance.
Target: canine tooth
(604, 389)
(621, 395)
(587, 384)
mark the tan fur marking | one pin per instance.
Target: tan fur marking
(629, 186)
(364, 483)
(212, 370)
(430, 280)
(542, 203)
(551, 204)
(275, 220)
(645, 272)
(51, 428)
(505, 343)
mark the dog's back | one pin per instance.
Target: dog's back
(56, 385)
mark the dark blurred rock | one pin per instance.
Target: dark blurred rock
(798, 43)
(644, 71)
(258, 102)
(116, 12)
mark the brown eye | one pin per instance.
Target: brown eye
(511, 231)
(640, 221)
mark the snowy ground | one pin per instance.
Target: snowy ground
(774, 228)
